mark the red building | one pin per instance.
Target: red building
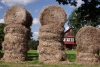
(69, 39)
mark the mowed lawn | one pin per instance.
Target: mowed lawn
(33, 61)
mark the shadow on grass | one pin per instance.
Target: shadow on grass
(32, 56)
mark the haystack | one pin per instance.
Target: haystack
(15, 43)
(53, 14)
(51, 50)
(18, 15)
(18, 21)
(88, 42)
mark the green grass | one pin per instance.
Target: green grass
(71, 55)
(33, 61)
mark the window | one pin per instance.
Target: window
(69, 39)
(64, 40)
(72, 39)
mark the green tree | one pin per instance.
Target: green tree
(1, 33)
(71, 2)
(75, 21)
(30, 37)
(32, 44)
(90, 10)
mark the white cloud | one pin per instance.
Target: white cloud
(1, 7)
(35, 21)
(79, 2)
(1, 20)
(17, 2)
(35, 33)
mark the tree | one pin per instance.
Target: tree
(32, 44)
(1, 33)
(90, 10)
(75, 21)
(71, 2)
(30, 34)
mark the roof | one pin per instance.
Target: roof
(68, 29)
(68, 36)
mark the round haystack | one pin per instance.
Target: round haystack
(53, 14)
(88, 42)
(18, 15)
(87, 36)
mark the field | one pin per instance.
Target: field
(33, 61)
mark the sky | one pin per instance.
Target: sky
(34, 7)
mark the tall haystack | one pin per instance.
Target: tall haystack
(18, 21)
(51, 50)
(88, 42)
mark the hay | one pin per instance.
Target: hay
(18, 21)
(14, 38)
(50, 32)
(16, 28)
(18, 15)
(59, 45)
(51, 28)
(88, 40)
(50, 36)
(88, 59)
(15, 43)
(51, 45)
(51, 55)
(52, 42)
(53, 14)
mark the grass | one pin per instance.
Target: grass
(71, 55)
(33, 61)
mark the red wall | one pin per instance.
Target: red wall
(69, 38)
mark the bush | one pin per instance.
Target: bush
(32, 44)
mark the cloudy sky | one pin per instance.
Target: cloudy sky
(34, 7)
